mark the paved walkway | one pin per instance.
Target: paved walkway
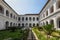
(31, 36)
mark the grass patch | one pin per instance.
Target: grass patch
(42, 36)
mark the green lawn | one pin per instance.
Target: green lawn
(42, 35)
(8, 34)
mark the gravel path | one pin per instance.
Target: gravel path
(31, 36)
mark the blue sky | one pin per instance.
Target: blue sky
(26, 6)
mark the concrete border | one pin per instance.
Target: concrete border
(35, 35)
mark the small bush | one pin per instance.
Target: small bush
(40, 28)
(12, 29)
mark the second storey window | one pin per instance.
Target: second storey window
(30, 18)
(7, 13)
(18, 18)
(43, 15)
(46, 13)
(51, 9)
(22, 18)
(58, 3)
(26, 18)
(33, 18)
(14, 16)
(11, 15)
(1, 9)
(37, 19)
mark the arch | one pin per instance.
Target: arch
(1, 9)
(11, 15)
(19, 18)
(7, 13)
(52, 21)
(33, 18)
(46, 22)
(22, 24)
(37, 24)
(26, 18)
(29, 24)
(19, 24)
(52, 9)
(37, 19)
(22, 18)
(6, 24)
(33, 24)
(11, 24)
(58, 22)
(58, 4)
(30, 18)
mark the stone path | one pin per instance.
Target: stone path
(31, 36)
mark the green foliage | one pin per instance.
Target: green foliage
(48, 28)
(42, 36)
(40, 28)
(16, 35)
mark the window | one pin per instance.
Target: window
(19, 24)
(1, 9)
(23, 24)
(11, 24)
(33, 24)
(29, 24)
(43, 15)
(26, 18)
(51, 9)
(33, 18)
(46, 13)
(22, 18)
(11, 15)
(18, 18)
(7, 13)
(37, 19)
(46, 22)
(14, 16)
(30, 18)
(6, 23)
(37, 24)
(58, 3)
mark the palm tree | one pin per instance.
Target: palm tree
(48, 30)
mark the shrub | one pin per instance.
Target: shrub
(40, 28)
(12, 29)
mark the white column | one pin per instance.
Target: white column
(49, 11)
(48, 21)
(4, 12)
(55, 23)
(55, 6)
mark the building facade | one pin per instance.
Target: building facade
(50, 14)
(28, 20)
(8, 17)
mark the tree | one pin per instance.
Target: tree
(48, 30)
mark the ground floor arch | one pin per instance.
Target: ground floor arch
(6, 24)
(58, 22)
